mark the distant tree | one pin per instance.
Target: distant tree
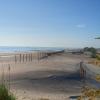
(86, 49)
(92, 50)
(97, 38)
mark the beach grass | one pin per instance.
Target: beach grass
(4, 94)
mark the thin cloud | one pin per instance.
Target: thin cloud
(81, 25)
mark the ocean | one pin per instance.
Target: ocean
(6, 49)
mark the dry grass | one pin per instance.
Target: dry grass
(95, 62)
(98, 77)
(89, 94)
(5, 93)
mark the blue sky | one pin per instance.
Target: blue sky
(50, 23)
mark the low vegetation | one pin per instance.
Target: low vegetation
(5, 94)
(98, 77)
(98, 57)
(95, 62)
(89, 94)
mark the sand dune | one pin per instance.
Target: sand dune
(55, 77)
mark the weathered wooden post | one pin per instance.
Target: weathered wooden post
(81, 71)
(26, 57)
(38, 56)
(15, 59)
(41, 55)
(20, 58)
(23, 58)
(31, 57)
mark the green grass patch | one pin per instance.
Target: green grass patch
(4, 94)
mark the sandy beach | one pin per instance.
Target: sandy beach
(55, 77)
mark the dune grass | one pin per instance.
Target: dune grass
(4, 93)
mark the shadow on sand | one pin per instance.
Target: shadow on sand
(55, 81)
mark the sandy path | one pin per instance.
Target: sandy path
(55, 78)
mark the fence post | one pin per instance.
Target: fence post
(26, 57)
(15, 59)
(31, 57)
(20, 58)
(23, 57)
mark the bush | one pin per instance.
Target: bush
(4, 94)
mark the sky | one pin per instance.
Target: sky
(50, 23)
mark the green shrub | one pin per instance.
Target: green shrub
(4, 94)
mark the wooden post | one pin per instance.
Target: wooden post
(41, 55)
(15, 59)
(81, 70)
(26, 57)
(23, 57)
(31, 57)
(38, 56)
(20, 58)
